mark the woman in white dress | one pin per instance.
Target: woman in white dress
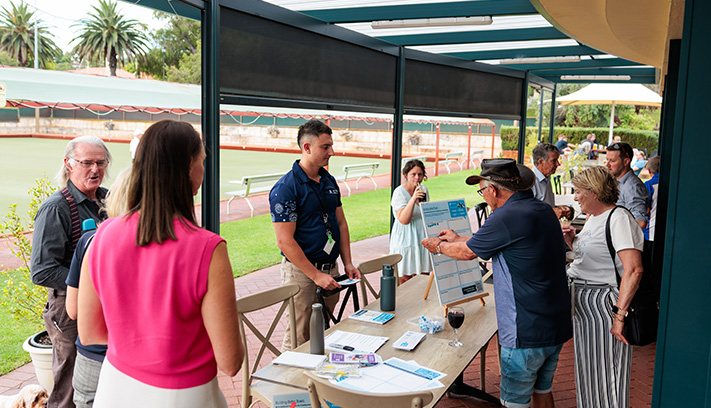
(408, 229)
(603, 357)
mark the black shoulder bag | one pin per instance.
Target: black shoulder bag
(643, 313)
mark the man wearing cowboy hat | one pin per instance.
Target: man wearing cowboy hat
(522, 236)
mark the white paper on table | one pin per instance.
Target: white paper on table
(361, 343)
(301, 360)
(386, 380)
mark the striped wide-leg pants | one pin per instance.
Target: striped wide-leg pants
(602, 363)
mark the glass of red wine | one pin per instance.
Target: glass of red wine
(455, 315)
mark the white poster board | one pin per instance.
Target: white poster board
(456, 280)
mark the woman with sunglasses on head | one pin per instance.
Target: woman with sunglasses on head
(159, 289)
(408, 228)
(603, 357)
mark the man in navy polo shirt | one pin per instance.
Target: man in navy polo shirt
(523, 238)
(310, 226)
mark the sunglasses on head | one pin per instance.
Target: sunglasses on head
(618, 147)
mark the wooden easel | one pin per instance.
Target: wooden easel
(446, 307)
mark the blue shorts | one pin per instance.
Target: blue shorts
(525, 371)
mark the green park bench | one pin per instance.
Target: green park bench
(253, 185)
(358, 171)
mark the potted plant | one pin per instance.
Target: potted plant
(23, 299)
(40, 348)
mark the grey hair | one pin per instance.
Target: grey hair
(63, 174)
(543, 151)
(498, 186)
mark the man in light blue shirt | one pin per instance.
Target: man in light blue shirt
(545, 158)
(633, 193)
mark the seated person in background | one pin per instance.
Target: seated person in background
(563, 146)
(615, 139)
(545, 157)
(588, 146)
(638, 162)
(408, 228)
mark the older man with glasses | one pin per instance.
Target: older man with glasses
(633, 193)
(57, 230)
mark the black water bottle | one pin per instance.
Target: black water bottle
(387, 289)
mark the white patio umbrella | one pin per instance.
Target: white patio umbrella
(612, 94)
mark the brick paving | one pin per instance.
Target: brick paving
(563, 385)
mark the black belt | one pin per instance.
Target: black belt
(321, 266)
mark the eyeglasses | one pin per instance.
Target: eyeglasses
(481, 190)
(87, 164)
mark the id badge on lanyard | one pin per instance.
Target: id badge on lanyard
(330, 242)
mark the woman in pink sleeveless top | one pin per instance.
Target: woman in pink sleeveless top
(159, 289)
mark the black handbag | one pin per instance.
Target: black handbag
(643, 313)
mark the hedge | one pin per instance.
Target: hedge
(641, 139)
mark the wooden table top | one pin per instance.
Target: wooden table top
(433, 352)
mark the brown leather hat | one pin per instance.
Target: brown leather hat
(505, 172)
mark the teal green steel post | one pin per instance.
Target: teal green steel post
(540, 117)
(522, 122)
(211, 115)
(396, 154)
(551, 133)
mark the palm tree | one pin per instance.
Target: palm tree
(17, 36)
(107, 36)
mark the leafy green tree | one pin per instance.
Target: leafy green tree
(64, 62)
(17, 36)
(189, 70)
(108, 36)
(6, 59)
(179, 37)
(152, 63)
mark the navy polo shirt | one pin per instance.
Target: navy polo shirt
(297, 198)
(523, 238)
(94, 351)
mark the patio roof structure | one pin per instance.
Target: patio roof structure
(308, 58)
(513, 34)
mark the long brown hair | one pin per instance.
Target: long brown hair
(160, 186)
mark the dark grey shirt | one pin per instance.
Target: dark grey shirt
(52, 240)
(634, 196)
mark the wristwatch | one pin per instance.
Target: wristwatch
(439, 250)
(616, 310)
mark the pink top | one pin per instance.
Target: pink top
(151, 298)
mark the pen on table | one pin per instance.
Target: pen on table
(341, 347)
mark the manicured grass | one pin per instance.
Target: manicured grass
(22, 160)
(13, 333)
(252, 244)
